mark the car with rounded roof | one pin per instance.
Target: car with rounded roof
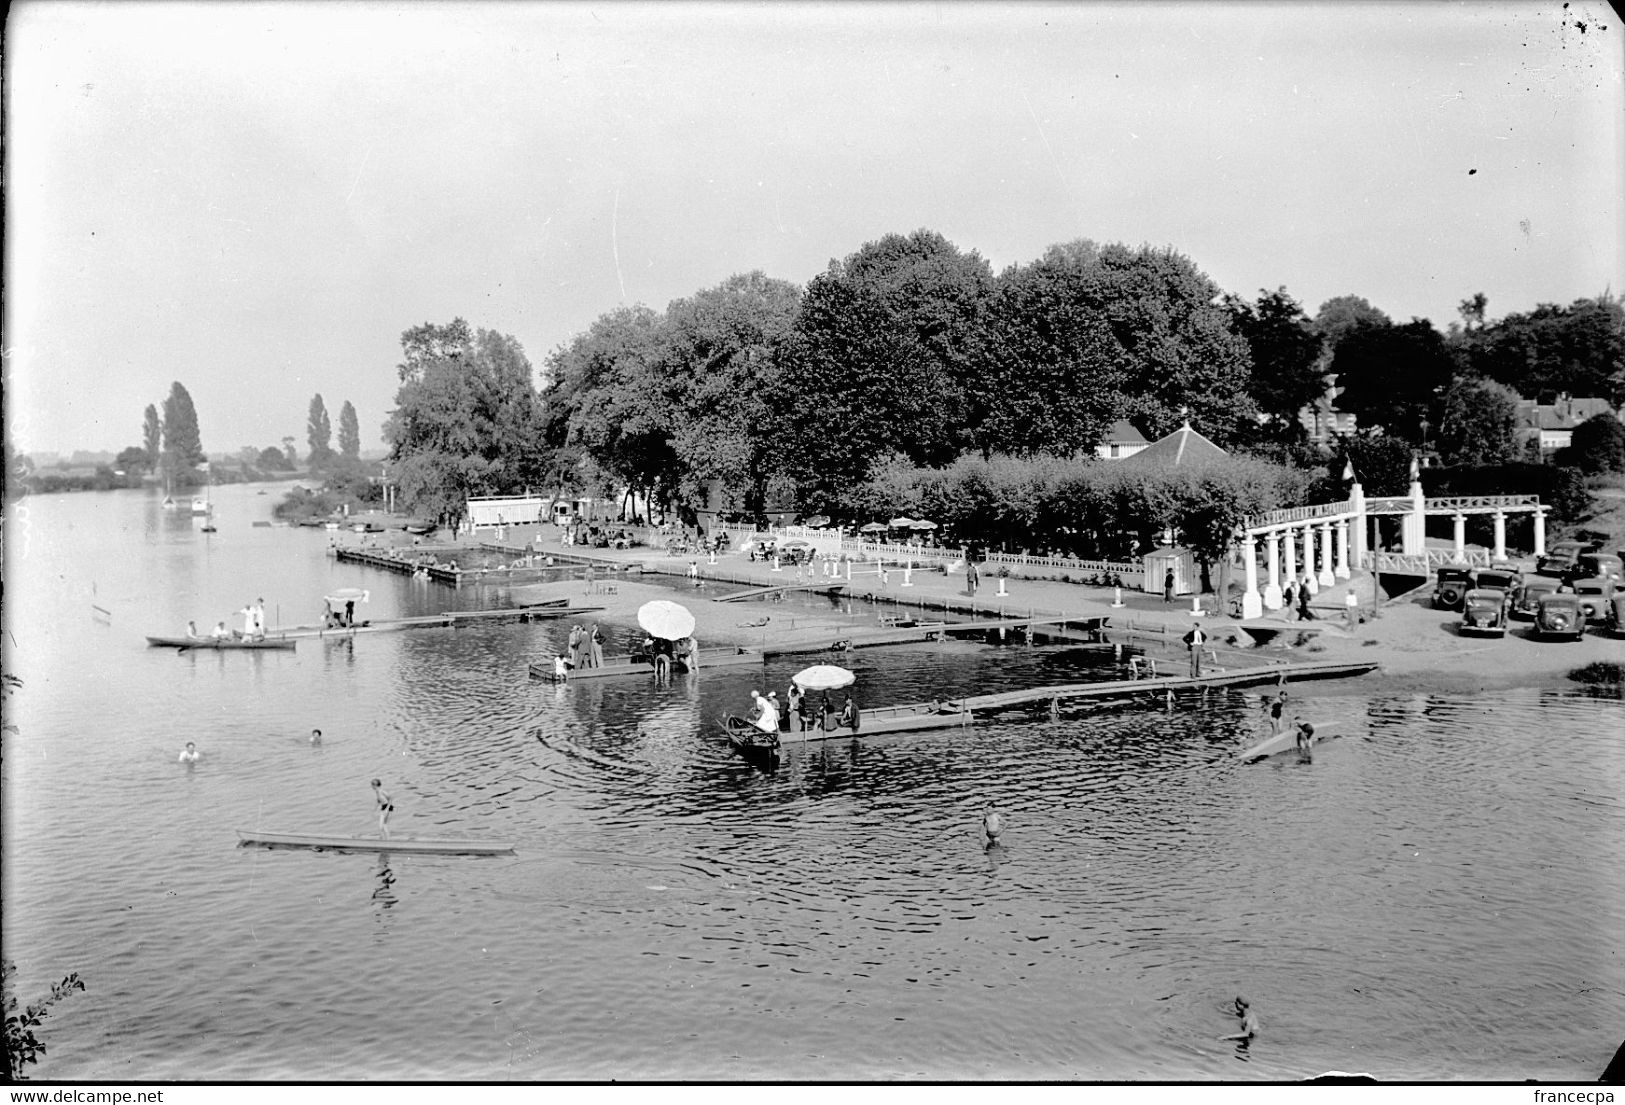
(1592, 565)
(1484, 610)
(1560, 556)
(1526, 599)
(1560, 616)
(1616, 614)
(1595, 595)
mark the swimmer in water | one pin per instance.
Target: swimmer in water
(385, 806)
(315, 736)
(1249, 1021)
(190, 754)
(992, 826)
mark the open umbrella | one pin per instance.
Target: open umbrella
(901, 523)
(823, 677)
(922, 524)
(873, 527)
(667, 620)
(346, 594)
(795, 541)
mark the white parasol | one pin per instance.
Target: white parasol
(823, 677)
(347, 594)
(670, 621)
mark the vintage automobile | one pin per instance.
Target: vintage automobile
(1526, 599)
(1616, 614)
(1596, 596)
(1499, 578)
(1560, 557)
(1560, 616)
(1592, 565)
(1450, 587)
(1484, 610)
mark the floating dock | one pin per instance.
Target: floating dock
(451, 618)
(422, 845)
(779, 588)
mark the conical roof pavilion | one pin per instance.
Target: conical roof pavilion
(1184, 448)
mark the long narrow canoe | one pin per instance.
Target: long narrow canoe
(725, 657)
(1286, 742)
(224, 642)
(428, 845)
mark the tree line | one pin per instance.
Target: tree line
(912, 354)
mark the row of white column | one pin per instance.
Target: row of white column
(1325, 548)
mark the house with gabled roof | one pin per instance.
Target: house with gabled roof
(1552, 425)
(1121, 440)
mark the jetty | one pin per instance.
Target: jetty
(451, 618)
(962, 712)
(520, 565)
(780, 588)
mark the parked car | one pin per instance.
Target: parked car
(1616, 614)
(1560, 616)
(1451, 587)
(1591, 565)
(1526, 600)
(1498, 578)
(1596, 596)
(1560, 557)
(1484, 610)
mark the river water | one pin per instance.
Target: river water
(1437, 896)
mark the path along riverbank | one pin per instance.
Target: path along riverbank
(1416, 645)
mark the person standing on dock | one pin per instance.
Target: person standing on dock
(595, 643)
(575, 646)
(1289, 598)
(386, 806)
(1194, 640)
(798, 706)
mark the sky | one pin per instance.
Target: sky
(255, 200)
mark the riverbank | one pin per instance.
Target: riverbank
(1416, 645)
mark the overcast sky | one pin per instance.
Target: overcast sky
(256, 200)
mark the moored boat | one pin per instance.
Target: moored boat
(220, 643)
(724, 657)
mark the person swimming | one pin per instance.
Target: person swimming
(190, 754)
(992, 825)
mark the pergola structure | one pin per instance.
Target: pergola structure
(1331, 534)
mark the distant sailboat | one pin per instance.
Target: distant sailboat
(203, 506)
(169, 499)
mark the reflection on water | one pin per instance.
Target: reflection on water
(673, 911)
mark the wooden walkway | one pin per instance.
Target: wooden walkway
(780, 588)
(451, 618)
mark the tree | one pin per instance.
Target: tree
(349, 434)
(152, 432)
(1479, 424)
(22, 1046)
(427, 344)
(467, 421)
(288, 452)
(879, 359)
(319, 434)
(132, 461)
(1394, 376)
(1598, 446)
(274, 460)
(183, 446)
(1577, 350)
(1288, 373)
(1342, 314)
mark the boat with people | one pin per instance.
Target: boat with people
(442, 846)
(221, 642)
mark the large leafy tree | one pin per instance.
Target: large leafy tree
(1394, 376)
(1598, 445)
(152, 437)
(1054, 374)
(467, 421)
(1577, 350)
(608, 403)
(1185, 359)
(1288, 374)
(716, 350)
(879, 359)
(183, 445)
(319, 434)
(349, 433)
(1479, 424)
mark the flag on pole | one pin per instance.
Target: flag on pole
(1348, 470)
(1416, 468)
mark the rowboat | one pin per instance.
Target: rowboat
(724, 657)
(881, 720)
(223, 642)
(424, 845)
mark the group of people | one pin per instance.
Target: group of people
(253, 626)
(585, 649)
(1304, 732)
(774, 715)
(1296, 595)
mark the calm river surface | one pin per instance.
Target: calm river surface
(1439, 895)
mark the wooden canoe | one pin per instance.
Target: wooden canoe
(423, 845)
(1275, 746)
(727, 657)
(224, 642)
